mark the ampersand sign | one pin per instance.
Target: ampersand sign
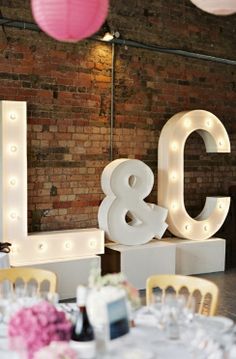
(123, 214)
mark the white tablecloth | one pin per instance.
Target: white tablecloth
(146, 343)
(149, 342)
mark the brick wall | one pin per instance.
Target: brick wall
(67, 89)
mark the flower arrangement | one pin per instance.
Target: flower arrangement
(56, 350)
(117, 280)
(38, 326)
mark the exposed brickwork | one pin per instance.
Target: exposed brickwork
(67, 89)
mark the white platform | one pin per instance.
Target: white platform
(4, 260)
(196, 257)
(71, 273)
(169, 256)
(139, 262)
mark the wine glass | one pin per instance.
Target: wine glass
(189, 310)
(51, 297)
(6, 299)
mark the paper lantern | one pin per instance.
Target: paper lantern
(216, 7)
(69, 20)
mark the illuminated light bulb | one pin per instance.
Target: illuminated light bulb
(174, 146)
(12, 181)
(13, 148)
(13, 215)
(174, 206)
(221, 142)
(187, 123)
(206, 228)
(42, 247)
(208, 122)
(108, 36)
(92, 243)
(12, 116)
(14, 248)
(187, 227)
(68, 245)
(173, 176)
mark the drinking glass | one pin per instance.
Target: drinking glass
(50, 297)
(101, 336)
(157, 310)
(189, 310)
(6, 299)
(174, 311)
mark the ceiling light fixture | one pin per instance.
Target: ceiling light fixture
(109, 36)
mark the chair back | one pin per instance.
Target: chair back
(27, 274)
(209, 292)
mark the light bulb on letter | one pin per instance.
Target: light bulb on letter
(208, 122)
(68, 245)
(12, 116)
(221, 142)
(187, 227)
(42, 247)
(174, 206)
(12, 181)
(174, 146)
(14, 248)
(92, 243)
(13, 148)
(13, 215)
(173, 176)
(187, 123)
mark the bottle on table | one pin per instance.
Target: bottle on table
(82, 337)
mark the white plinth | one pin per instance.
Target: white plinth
(166, 256)
(71, 273)
(139, 262)
(196, 257)
(4, 260)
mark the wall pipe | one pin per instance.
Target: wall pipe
(172, 51)
(33, 27)
(112, 99)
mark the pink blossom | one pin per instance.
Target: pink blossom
(38, 326)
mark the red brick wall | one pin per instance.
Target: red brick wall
(67, 89)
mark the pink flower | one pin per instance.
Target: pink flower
(38, 326)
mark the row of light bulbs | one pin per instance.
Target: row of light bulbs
(187, 123)
(67, 245)
(173, 176)
(13, 215)
(175, 207)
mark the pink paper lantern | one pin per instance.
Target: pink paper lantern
(216, 7)
(69, 20)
